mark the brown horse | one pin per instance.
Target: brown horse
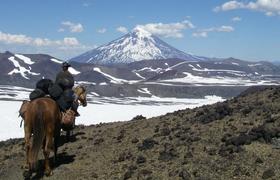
(41, 129)
(80, 99)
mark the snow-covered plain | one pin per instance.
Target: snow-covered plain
(101, 110)
(221, 81)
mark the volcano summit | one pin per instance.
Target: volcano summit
(135, 46)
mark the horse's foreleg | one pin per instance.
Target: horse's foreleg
(68, 134)
(47, 150)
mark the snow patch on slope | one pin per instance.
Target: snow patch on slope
(56, 60)
(20, 69)
(73, 71)
(25, 59)
(150, 69)
(113, 79)
(144, 91)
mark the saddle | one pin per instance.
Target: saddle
(23, 108)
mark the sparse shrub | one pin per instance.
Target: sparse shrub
(147, 144)
(209, 114)
(139, 117)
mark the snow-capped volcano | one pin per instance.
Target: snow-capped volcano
(134, 46)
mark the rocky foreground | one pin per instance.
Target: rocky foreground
(236, 139)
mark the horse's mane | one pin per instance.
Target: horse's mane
(79, 87)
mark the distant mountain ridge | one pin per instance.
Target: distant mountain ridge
(146, 78)
(135, 46)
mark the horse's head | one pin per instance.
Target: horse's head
(81, 95)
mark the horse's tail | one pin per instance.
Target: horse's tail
(38, 136)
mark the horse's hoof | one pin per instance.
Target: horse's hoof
(48, 173)
(24, 166)
(27, 174)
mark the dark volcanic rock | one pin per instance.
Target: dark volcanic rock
(147, 144)
(165, 131)
(169, 153)
(259, 160)
(98, 141)
(125, 156)
(134, 140)
(184, 174)
(268, 173)
(140, 159)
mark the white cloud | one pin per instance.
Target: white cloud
(200, 34)
(173, 30)
(269, 7)
(72, 27)
(21, 39)
(82, 47)
(122, 29)
(204, 32)
(270, 14)
(102, 30)
(14, 38)
(42, 42)
(230, 5)
(70, 41)
(61, 30)
(236, 19)
(224, 29)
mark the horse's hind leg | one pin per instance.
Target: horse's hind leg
(47, 150)
(56, 144)
(27, 166)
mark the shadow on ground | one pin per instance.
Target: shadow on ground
(62, 159)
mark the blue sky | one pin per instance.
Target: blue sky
(245, 29)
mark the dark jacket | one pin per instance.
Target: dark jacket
(65, 80)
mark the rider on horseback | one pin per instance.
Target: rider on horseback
(66, 81)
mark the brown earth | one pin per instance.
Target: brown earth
(235, 139)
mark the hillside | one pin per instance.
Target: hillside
(235, 139)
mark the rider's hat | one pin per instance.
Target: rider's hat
(65, 64)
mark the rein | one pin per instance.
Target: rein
(21, 123)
